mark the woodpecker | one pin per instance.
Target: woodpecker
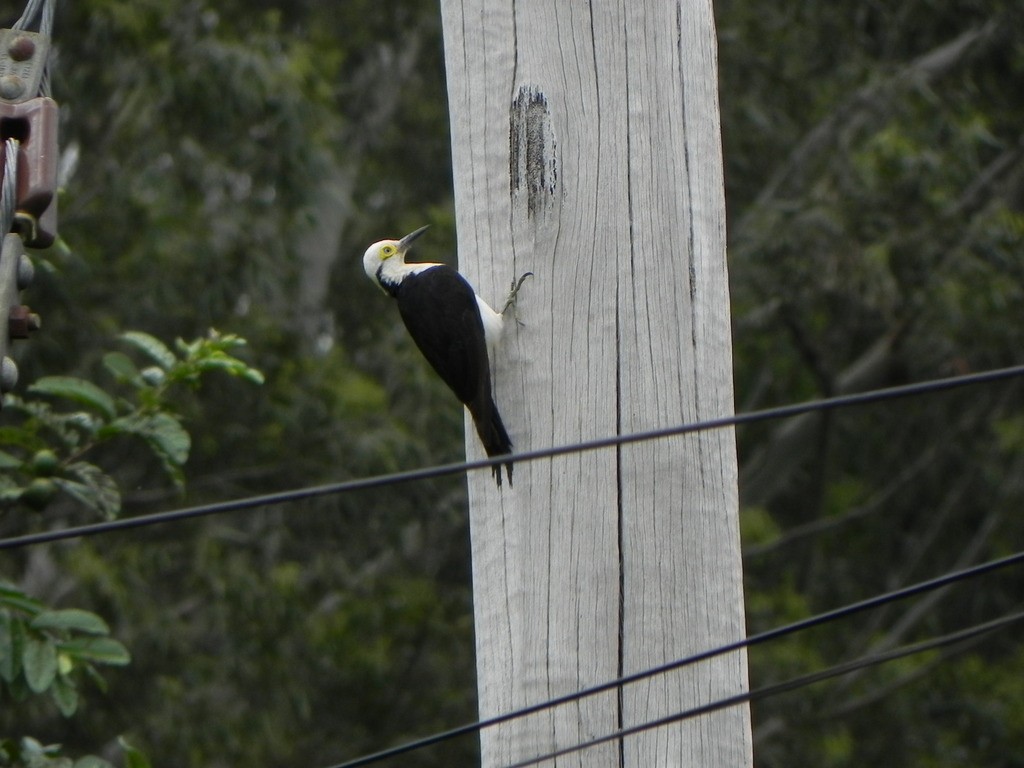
(454, 328)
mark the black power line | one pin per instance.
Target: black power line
(426, 473)
(762, 637)
(785, 686)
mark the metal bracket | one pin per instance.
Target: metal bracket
(34, 124)
(23, 58)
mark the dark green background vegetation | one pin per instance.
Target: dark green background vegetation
(233, 161)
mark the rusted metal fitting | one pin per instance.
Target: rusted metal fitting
(23, 57)
(22, 322)
(34, 124)
(21, 47)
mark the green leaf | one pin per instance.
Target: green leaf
(153, 375)
(253, 376)
(92, 487)
(66, 426)
(97, 679)
(15, 598)
(133, 757)
(152, 347)
(65, 694)
(231, 365)
(72, 619)
(12, 639)
(103, 650)
(9, 489)
(29, 747)
(7, 461)
(218, 361)
(204, 355)
(77, 390)
(163, 432)
(6, 646)
(39, 659)
(122, 367)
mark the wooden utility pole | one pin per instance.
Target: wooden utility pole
(586, 148)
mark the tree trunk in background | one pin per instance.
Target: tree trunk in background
(586, 148)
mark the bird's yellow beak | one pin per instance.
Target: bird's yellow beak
(405, 242)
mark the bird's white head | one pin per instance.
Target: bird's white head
(389, 254)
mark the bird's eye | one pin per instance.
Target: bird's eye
(387, 250)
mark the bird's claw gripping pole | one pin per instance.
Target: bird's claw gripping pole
(516, 285)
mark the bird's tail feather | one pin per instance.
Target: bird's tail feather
(495, 438)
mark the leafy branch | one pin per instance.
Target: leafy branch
(44, 651)
(45, 450)
(29, 753)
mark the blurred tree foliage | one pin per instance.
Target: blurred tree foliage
(875, 184)
(201, 141)
(61, 428)
(234, 158)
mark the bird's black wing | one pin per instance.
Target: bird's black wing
(439, 308)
